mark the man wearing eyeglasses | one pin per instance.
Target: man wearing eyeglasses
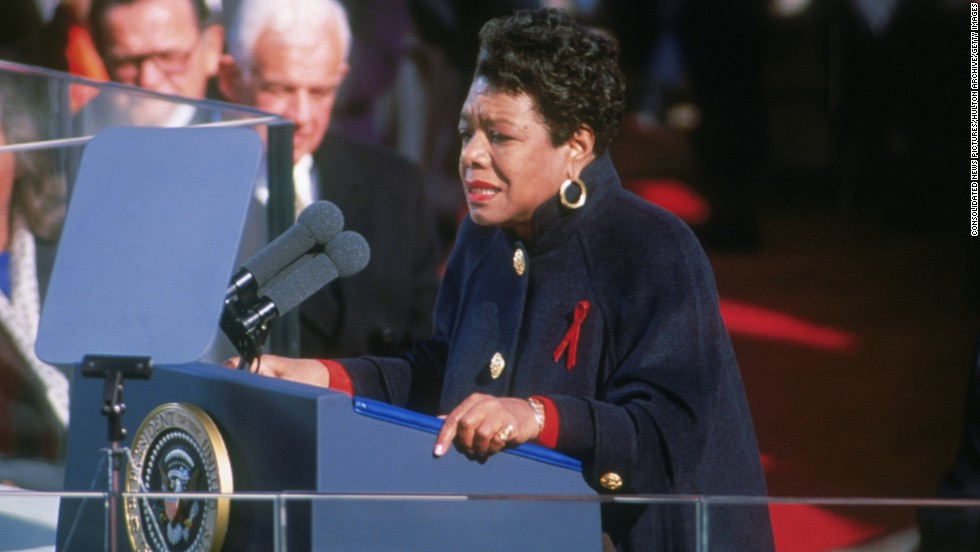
(167, 46)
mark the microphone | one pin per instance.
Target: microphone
(316, 226)
(345, 255)
(349, 252)
(288, 289)
(247, 324)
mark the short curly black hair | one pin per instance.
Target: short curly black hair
(570, 71)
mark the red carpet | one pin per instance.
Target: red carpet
(807, 528)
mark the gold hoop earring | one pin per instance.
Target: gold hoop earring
(563, 193)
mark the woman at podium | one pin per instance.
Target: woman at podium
(573, 313)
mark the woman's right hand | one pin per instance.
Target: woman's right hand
(302, 370)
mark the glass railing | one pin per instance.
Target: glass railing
(47, 118)
(325, 521)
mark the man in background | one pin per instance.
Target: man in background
(167, 46)
(290, 57)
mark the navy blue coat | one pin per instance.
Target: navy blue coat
(655, 395)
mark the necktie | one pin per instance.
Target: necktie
(302, 184)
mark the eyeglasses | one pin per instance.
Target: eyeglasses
(171, 62)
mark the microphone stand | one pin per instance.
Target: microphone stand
(246, 327)
(114, 369)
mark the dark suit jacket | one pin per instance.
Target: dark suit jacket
(655, 394)
(383, 308)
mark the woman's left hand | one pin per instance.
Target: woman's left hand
(483, 425)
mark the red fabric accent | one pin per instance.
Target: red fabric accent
(83, 60)
(549, 433)
(570, 341)
(82, 57)
(808, 528)
(339, 379)
(673, 195)
(759, 322)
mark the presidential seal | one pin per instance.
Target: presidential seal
(178, 450)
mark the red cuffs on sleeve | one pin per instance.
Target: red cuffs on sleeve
(339, 380)
(549, 433)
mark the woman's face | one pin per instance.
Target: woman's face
(508, 164)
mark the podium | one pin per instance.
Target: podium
(288, 437)
(137, 294)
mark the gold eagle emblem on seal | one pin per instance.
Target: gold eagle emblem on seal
(177, 451)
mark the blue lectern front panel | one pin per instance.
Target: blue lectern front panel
(288, 437)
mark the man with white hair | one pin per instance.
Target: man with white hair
(289, 57)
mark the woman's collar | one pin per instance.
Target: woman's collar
(552, 221)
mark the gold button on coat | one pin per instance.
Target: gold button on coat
(611, 481)
(497, 365)
(519, 264)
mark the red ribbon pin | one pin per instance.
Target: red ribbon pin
(570, 341)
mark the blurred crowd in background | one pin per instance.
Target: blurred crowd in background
(840, 101)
